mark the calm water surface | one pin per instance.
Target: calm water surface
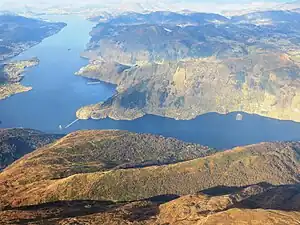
(57, 94)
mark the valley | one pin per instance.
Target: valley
(56, 94)
(150, 118)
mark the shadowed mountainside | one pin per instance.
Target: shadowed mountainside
(262, 203)
(15, 143)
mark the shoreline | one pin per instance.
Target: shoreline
(9, 58)
(110, 109)
(13, 73)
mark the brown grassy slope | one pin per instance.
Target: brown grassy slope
(92, 151)
(262, 203)
(276, 163)
(254, 203)
(15, 143)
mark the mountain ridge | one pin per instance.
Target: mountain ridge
(184, 68)
(183, 184)
(63, 177)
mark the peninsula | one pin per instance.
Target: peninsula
(17, 34)
(185, 65)
(10, 76)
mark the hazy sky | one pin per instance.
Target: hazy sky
(197, 5)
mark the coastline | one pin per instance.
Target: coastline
(13, 74)
(123, 105)
(25, 47)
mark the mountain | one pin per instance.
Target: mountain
(263, 203)
(114, 177)
(185, 65)
(96, 151)
(289, 5)
(165, 17)
(288, 18)
(122, 166)
(19, 33)
(15, 143)
(263, 83)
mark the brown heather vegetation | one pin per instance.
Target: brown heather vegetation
(276, 163)
(86, 165)
(118, 177)
(90, 152)
(255, 204)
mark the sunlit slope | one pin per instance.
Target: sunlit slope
(86, 165)
(185, 65)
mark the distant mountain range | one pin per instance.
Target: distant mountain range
(92, 8)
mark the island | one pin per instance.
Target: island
(184, 65)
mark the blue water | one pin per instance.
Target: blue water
(57, 94)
